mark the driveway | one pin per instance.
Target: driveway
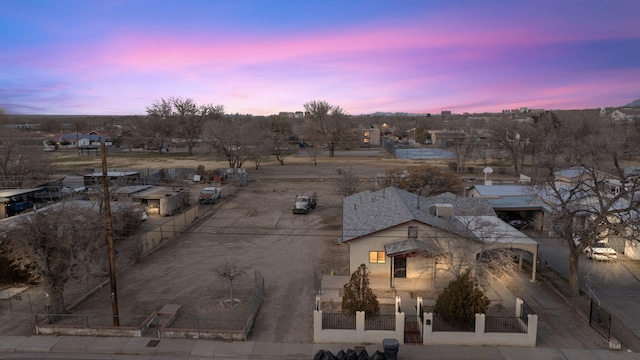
(612, 283)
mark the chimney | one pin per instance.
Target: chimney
(442, 210)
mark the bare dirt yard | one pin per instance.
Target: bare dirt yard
(254, 228)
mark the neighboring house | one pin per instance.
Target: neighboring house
(91, 138)
(370, 136)
(407, 238)
(19, 200)
(514, 202)
(578, 174)
(446, 138)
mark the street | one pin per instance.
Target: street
(611, 283)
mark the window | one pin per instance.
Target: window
(377, 257)
(413, 232)
(366, 134)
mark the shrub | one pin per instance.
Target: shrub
(461, 299)
(358, 296)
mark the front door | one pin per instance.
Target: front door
(400, 267)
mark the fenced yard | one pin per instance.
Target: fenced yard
(519, 329)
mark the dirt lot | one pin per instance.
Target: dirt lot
(254, 228)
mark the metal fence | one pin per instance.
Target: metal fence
(338, 321)
(255, 304)
(505, 324)
(379, 322)
(453, 323)
(525, 311)
(600, 319)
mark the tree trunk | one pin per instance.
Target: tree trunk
(332, 148)
(55, 301)
(574, 286)
(190, 148)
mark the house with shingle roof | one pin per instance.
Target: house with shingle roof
(407, 238)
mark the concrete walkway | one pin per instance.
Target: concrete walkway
(86, 347)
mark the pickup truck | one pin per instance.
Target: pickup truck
(304, 203)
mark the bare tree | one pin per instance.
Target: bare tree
(346, 181)
(19, 162)
(57, 244)
(231, 138)
(478, 244)
(158, 126)
(259, 150)
(600, 200)
(60, 243)
(184, 117)
(327, 123)
(513, 137)
(283, 137)
(428, 180)
(231, 271)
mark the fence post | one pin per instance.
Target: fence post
(519, 307)
(532, 329)
(400, 318)
(427, 327)
(317, 326)
(479, 324)
(360, 322)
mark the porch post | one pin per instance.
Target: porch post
(520, 260)
(534, 264)
(391, 272)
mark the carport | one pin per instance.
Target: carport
(502, 236)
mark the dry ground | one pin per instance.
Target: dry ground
(253, 227)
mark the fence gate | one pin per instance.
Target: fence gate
(600, 320)
(412, 333)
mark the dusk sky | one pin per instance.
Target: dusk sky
(116, 57)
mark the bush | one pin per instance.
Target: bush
(358, 296)
(461, 299)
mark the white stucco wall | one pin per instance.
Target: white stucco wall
(416, 266)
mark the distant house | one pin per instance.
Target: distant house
(446, 138)
(92, 138)
(408, 239)
(370, 136)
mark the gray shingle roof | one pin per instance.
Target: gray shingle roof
(369, 212)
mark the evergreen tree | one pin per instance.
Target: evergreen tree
(461, 299)
(358, 296)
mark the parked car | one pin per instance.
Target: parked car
(209, 195)
(141, 214)
(600, 251)
(518, 224)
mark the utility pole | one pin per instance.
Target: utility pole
(109, 226)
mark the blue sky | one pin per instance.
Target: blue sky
(263, 57)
